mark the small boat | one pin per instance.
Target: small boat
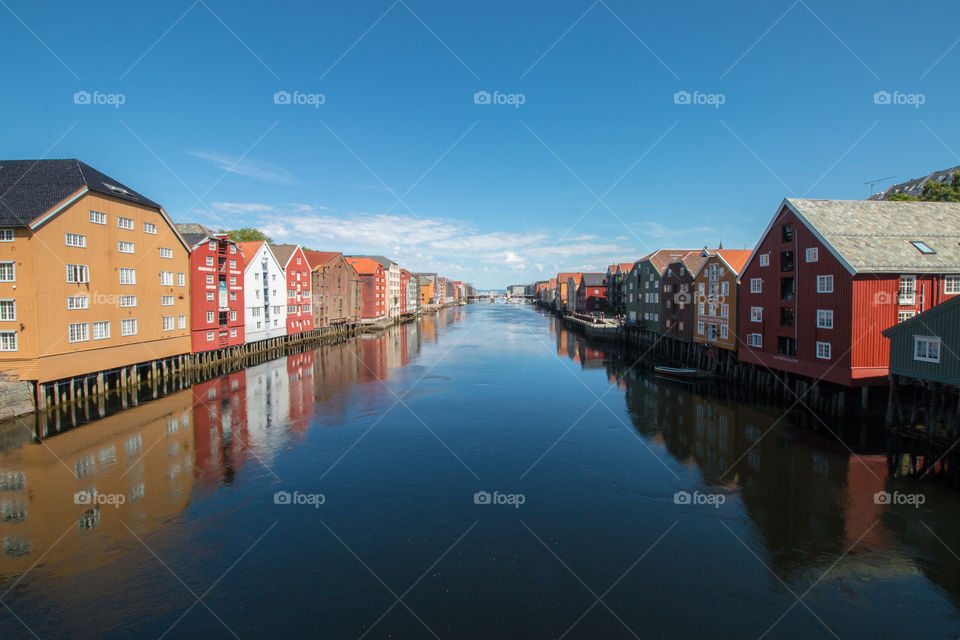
(678, 373)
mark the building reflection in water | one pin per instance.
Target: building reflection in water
(808, 496)
(145, 455)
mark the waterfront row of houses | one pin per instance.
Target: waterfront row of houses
(813, 298)
(95, 276)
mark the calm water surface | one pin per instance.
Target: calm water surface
(382, 444)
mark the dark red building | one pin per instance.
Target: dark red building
(216, 288)
(220, 428)
(299, 297)
(828, 276)
(677, 316)
(591, 294)
(374, 280)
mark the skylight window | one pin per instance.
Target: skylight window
(922, 247)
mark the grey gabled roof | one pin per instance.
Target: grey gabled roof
(874, 236)
(30, 188)
(384, 262)
(594, 279)
(194, 233)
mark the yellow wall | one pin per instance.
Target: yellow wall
(703, 278)
(41, 291)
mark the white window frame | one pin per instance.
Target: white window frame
(8, 340)
(73, 302)
(166, 252)
(903, 316)
(122, 245)
(7, 235)
(97, 217)
(181, 322)
(102, 335)
(823, 350)
(166, 278)
(181, 279)
(755, 340)
(80, 274)
(756, 314)
(812, 254)
(149, 227)
(167, 323)
(126, 223)
(127, 276)
(927, 342)
(764, 259)
(825, 283)
(166, 301)
(910, 298)
(78, 332)
(951, 285)
(756, 285)
(824, 318)
(75, 240)
(128, 301)
(12, 306)
(125, 325)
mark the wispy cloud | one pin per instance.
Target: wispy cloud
(255, 169)
(434, 244)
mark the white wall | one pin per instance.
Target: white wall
(253, 295)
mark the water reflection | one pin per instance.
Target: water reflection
(808, 495)
(144, 455)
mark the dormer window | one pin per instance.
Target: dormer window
(922, 247)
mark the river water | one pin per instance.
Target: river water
(480, 473)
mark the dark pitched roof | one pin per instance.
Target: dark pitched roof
(30, 188)
(594, 279)
(194, 233)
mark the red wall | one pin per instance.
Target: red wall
(299, 320)
(863, 306)
(374, 294)
(200, 306)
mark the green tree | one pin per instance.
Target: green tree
(247, 234)
(903, 197)
(942, 191)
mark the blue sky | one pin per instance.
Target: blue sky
(598, 164)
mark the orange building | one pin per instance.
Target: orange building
(715, 296)
(374, 280)
(87, 266)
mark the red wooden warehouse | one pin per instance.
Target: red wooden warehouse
(216, 288)
(374, 280)
(828, 276)
(295, 265)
